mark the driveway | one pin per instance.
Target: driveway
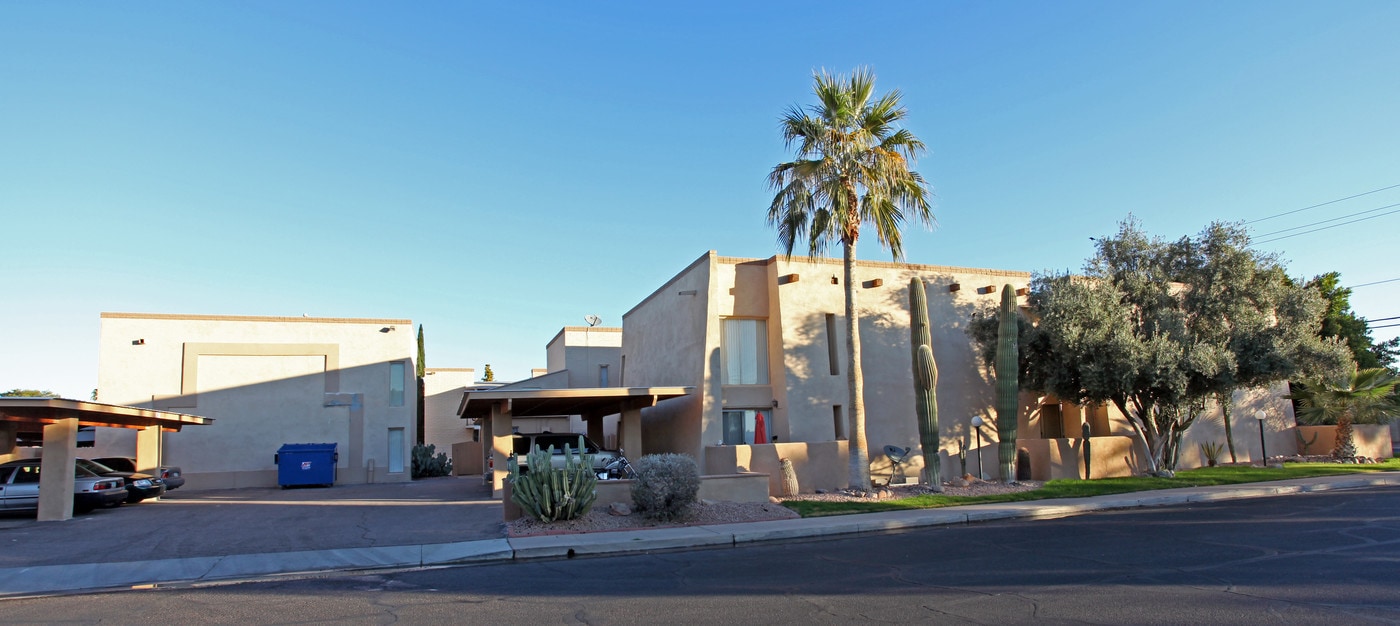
(186, 524)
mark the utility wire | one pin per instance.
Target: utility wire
(1323, 204)
(1385, 326)
(1382, 319)
(1379, 208)
(1327, 227)
(1388, 280)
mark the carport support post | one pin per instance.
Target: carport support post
(629, 433)
(9, 434)
(595, 429)
(148, 449)
(502, 447)
(56, 477)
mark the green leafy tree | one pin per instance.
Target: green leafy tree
(422, 356)
(488, 376)
(1341, 321)
(1366, 396)
(28, 393)
(1159, 328)
(852, 169)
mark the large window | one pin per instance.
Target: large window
(395, 450)
(741, 426)
(745, 349)
(396, 376)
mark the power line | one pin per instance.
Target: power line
(1323, 204)
(1388, 206)
(1382, 319)
(1388, 280)
(1306, 232)
(1385, 326)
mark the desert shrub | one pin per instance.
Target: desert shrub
(428, 462)
(549, 493)
(666, 485)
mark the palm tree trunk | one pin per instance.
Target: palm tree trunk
(860, 460)
(1344, 448)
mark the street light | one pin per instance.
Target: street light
(1261, 416)
(977, 423)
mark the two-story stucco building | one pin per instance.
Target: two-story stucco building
(267, 381)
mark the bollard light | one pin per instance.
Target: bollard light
(1260, 415)
(977, 423)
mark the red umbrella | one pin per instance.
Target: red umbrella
(760, 434)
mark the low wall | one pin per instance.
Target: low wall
(466, 458)
(747, 487)
(818, 465)
(1109, 457)
(1372, 440)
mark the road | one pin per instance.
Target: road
(1316, 558)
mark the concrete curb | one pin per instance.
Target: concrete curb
(54, 579)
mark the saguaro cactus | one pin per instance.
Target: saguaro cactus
(925, 383)
(1008, 364)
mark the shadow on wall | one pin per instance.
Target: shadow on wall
(964, 387)
(368, 417)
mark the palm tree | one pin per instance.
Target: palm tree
(852, 168)
(1365, 397)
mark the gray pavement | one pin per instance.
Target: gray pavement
(202, 537)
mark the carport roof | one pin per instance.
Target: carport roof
(551, 402)
(51, 410)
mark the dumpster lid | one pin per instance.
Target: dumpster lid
(307, 447)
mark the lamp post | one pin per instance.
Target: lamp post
(977, 423)
(1260, 415)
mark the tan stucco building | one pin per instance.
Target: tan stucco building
(767, 337)
(266, 381)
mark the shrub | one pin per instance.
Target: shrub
(428, 462)
(666, 485)
(549, 493)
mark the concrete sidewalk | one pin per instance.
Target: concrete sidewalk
(78, 574)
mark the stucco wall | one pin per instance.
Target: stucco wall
(882, 297)
(665, 343)
(1371, 440)
(580, 351)
(818, 465)
(266, 381)
(442, 394)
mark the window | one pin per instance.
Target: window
(745, 352)
(396, 448)
(602, 376)
(396, 376)
(831, 353)
(838, 420)
(739, 427)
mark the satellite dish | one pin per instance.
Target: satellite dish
(593, 320)
(896, 453)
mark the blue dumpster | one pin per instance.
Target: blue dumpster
(305, 464)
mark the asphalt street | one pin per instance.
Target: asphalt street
(1322, 557)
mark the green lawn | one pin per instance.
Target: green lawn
(1065, 488)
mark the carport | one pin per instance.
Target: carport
(60, 419)
(495, 408)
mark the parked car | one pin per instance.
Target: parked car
(19, 488)
(173, 477)
(139, 486)
(523, 442)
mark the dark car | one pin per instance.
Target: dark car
(139, 486)
(19, 488)
(173, 477)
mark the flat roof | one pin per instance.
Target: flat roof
(552, 402)
(51, 410)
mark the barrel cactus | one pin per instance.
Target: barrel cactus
(1008, 389)
(925, 383)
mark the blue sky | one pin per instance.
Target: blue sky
(496, 171)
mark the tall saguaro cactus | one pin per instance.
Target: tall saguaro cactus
(925, 383)
(1008, 387)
